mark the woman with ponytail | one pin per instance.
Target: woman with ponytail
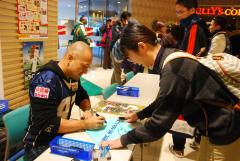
(185, 85)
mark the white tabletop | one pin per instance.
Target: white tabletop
(148, 89)
(117, 155)
(148, 85)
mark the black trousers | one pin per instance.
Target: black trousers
(179, 140)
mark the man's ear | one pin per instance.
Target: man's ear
(70, 57)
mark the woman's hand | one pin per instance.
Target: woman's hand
(114, 144)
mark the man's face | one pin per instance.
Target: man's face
(213, 26)
(84, 20)
(78, 67)
(183, 12)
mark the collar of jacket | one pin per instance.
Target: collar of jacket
(218, 32)
(187, 22)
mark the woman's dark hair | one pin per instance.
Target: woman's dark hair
(188, 3)
(133, 34)
(157, 25)
(221, 21)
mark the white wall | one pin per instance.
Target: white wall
(1, 74)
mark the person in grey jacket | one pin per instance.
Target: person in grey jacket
(187, 88)
(219, 42)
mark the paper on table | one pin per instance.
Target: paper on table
(116, 108)
(113, 130)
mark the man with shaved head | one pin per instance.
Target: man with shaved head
(53, 91)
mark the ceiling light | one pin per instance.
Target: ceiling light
(68, 5)
(118, 2)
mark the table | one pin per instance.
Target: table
(148, 85)
(117, 155)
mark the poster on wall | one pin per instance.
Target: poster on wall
(32, 19)
(32, 60)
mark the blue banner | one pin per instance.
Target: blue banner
(4, 106)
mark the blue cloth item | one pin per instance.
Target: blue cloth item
(114, 129)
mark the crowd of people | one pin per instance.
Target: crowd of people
(187, 88)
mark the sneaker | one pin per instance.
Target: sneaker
(177, 153)
(194, 145)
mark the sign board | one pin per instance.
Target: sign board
(218, 11)
(32, 19)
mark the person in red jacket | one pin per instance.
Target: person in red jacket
(195, 42)
(196, 32)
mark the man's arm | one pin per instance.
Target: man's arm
(82, 98)
(67, 126)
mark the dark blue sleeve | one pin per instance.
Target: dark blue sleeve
(44, 100)
(81, 94)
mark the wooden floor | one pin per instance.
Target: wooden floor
(151, 151)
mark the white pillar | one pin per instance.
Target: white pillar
(1, 74)
(130, 6)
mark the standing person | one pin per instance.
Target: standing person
(196, 31)
(220, 42)
(195, 42)
(106, 41)
(183, 93)
(53, 91)
(116, 32)
(118, 27)
(79, 32)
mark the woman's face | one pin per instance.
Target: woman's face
(140, 57)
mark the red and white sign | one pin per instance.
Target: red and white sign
(89, 31)
(62, 30)
(41, 92)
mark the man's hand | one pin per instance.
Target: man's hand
(114, 144)
(87, 114)
(131, 117)
(94, 122)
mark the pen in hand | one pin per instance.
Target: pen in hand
(99, 115)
